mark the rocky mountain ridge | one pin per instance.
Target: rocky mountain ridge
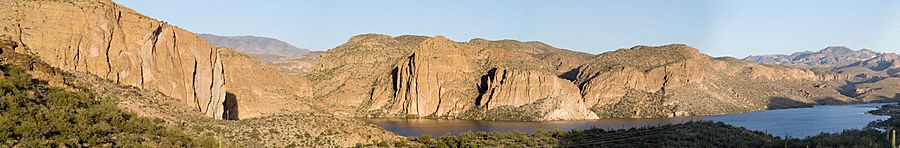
(256, 45)
(271, 51)
(865, 75)
(830, 57)
(433, 77)
(103, 38)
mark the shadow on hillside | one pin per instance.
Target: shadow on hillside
(885, 99)
(784, 102)
(831, 101)
(483, 85)
(231, 107)
(849, 89)
(571, 75)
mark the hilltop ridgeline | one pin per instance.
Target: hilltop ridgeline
(864, 75)
(433, 77)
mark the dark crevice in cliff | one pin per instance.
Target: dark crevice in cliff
(483, 86)
(570, 75)
(77, 53)
(212, 82)
(21, 36)
(590, 77)
(230, 107)
(440, 96)
(154, 38)
(411, 70)
(109, 42)
(194, 87)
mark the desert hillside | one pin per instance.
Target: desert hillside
(863, 74)
(433, 77)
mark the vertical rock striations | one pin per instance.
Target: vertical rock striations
(558, 98)
(433, 79)
(440, 78)
(105, 39)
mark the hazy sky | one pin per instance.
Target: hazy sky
(717, 27)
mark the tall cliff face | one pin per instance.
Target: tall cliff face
(436, 77)
(415, 76)
(108, 40)
(557, 98)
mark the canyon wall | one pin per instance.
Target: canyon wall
(111, 41)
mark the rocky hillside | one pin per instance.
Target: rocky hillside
(379, 75)
(830, 57)
(260, 89)
(382, 76)
(678, 80)
(170, 121)
(108, 40)
(865, 75)
(300, 65)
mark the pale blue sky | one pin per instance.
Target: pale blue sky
(717, 27)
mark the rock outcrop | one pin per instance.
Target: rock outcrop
(642, 68)
(558, 98)
(433, 80)
(105, 39)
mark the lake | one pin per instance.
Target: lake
(796, 122)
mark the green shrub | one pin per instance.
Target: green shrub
(33, 114)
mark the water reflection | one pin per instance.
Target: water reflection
(798, 122)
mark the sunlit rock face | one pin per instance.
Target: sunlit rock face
(111, 41)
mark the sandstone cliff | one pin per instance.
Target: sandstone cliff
(436, 77)
(105, 39)
(555, 98)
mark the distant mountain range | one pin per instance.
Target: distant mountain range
(274, 52)
(863, 74)
(830, 57)
(256, 45)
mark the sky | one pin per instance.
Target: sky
(735, 28)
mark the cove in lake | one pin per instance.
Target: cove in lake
(796, 122)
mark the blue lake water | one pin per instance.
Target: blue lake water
(796, 122)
